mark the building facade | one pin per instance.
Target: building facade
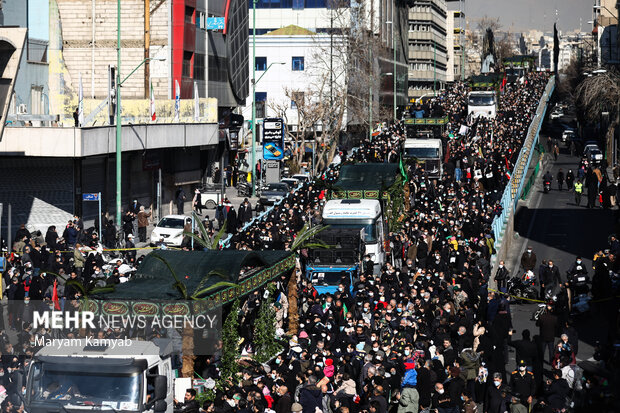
(428, 51)
(386, 20)
(172, 33)
(31, 94)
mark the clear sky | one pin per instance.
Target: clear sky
(523, 15)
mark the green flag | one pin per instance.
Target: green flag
(403, 172)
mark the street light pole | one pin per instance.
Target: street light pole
(118, 114)
(394, 49)
(371, 72)
(253, 97)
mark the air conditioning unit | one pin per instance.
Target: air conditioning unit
(22, 109)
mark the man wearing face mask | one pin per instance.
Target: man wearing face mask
(550, 278)
(522, 382)
(496, 402)
(528, 259)
(500, 276)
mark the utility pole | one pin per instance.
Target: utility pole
(147, 47)
(254, 97)
(118, 114)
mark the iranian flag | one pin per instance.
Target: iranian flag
(153, 113)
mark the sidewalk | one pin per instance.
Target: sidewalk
(231, 194)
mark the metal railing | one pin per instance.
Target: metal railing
(513, 190)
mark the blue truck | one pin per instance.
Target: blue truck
(326, 268)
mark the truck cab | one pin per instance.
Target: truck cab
(340, 263)
(482, 103)
(359, 214)
(427, 152)
(81, 377)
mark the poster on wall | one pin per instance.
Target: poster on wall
(273, 139)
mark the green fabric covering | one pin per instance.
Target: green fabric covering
(367, 176)
(154, 281)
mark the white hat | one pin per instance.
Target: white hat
(129, 236)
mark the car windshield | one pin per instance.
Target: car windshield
(167, 222)
(481, 100)
(277, 187)
(117, 390)
(422, 152)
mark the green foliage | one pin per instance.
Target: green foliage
(395, 204)
(203, 238)
(266, 344)
(305, 238)
(208, 395)
(230, 344)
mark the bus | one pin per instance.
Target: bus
(482, 103)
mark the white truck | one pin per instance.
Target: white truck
(482, 103)
(362, 214)
(80, 377)
(427, 152)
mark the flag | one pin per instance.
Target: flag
(177, 100)
(403, 172)
(55, 296)
(81, 103)
(508, 175)
(196, 102)
(153, 113)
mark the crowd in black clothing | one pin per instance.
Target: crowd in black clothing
(424, 331)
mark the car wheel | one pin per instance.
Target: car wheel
(210, 204)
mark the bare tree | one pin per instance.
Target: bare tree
(308, 117)
(487, 22)
(598, 94)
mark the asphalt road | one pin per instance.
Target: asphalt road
(559, 230)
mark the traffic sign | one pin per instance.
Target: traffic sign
(90, 197)
(215, 23)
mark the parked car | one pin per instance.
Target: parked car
(595, 155)
(568, 135)
(556, 114)
(302, 177)
(170, 228)
(291, 182)
(273, 192)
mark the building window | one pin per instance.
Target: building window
(261, 101)
(199, 67)
(187, 64)
(261, 64)
(298, 4)
(189, 14)
(201, 22)
(297, 99)
(298, 63)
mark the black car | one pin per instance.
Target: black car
(273, 192)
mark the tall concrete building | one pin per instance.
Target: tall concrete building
(171, 32)
(428, 51)
(605, 16)
(455, 40)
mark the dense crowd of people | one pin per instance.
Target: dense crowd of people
(423, 332)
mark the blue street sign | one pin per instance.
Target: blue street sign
(90, 197)
(215, 23)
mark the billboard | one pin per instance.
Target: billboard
(273, 139)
